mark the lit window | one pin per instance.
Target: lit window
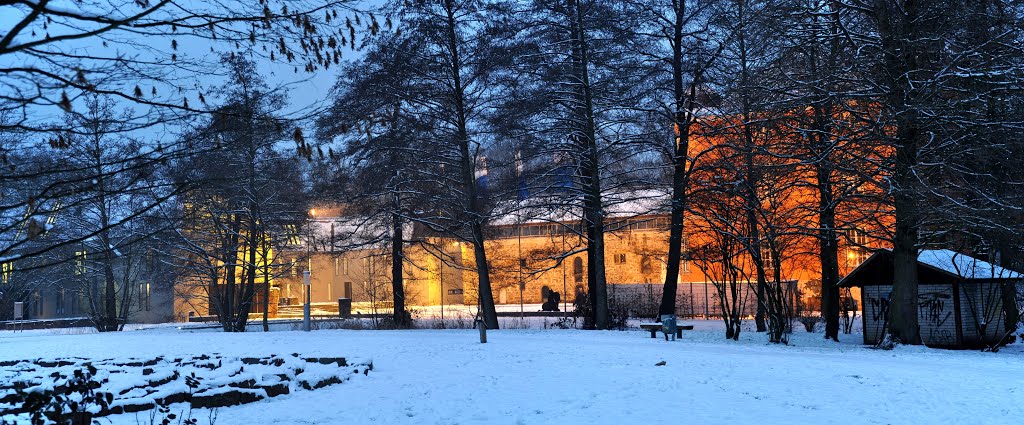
(855, 256)
(293, 234)
(6, 271)
(80, 257)
(858, 237)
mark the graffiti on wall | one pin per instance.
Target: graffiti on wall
(934, 311)
(879, 306)
(876, 307)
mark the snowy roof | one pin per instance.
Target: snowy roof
(934, 265)
(551, 209)
(964, 266)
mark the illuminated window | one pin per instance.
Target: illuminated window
(295, 267)
(80, 257)
(859, 237)
(858, 251)
(6, 271)
(293, 234)
(855, 256)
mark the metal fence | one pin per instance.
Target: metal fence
(693, 299)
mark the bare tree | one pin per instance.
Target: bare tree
(937, 70)
(114, 186)
(824, 134)
(148, 58)
(574, 111)
(248, 191)
(372, 172)
(450, 51)
(678, 41)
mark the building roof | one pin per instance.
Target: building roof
(933, 266)
(554, 209)
(964, 266)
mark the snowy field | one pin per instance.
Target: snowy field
(536, 376)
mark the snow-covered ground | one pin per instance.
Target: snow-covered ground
(536, 376)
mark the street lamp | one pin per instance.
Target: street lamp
(305, 273)
(305, 308)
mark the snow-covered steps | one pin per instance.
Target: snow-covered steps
(136, 385)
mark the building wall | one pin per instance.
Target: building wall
(63, 290)
(527, 263)
(364, 275)
(523, 268)
(875, 307)
(981, 312)
(936, 313)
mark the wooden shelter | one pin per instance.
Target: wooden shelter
(960, 298)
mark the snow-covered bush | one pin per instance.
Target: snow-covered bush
(67, 400)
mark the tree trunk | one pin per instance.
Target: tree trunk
(590, 173)
(226, 295)
(828, 253)
(401, 317)
(899, 38)
(750, 178)
(753, 243)
(108, 319)
(680, 155)
(248, 289)
(110, 293)
(903, 325)
(472, 193)
(485, 295)
(1008, 291)
(675, 245)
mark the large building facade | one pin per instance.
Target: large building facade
(530, 261)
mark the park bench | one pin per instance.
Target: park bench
(653, 328)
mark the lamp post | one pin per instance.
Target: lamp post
(522, 285)
(306, 273)
(305, 307)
